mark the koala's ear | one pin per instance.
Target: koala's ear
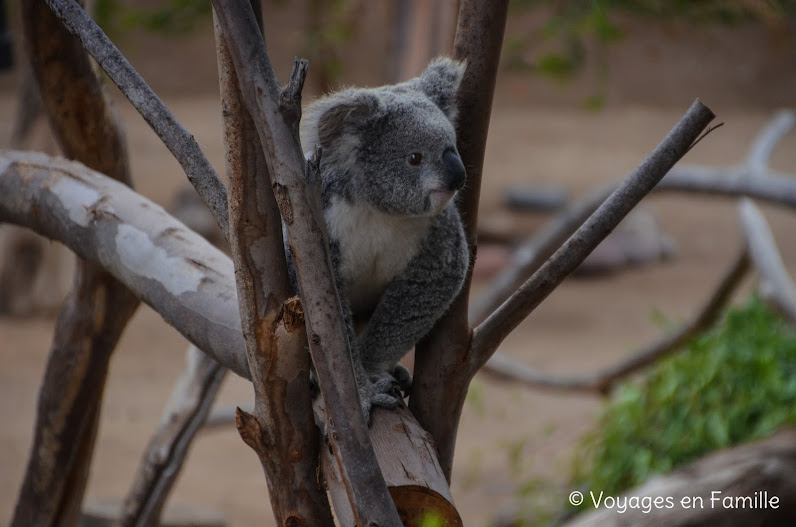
(440, 82)
(346, 115)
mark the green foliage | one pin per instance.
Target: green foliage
(173, 17)
(735, 383)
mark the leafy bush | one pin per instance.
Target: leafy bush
(735, 383)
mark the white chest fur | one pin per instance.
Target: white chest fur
(374, 248)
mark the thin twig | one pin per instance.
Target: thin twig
(603, 381)
(704, 135)
(490, 333)
(777, 286)
(176, 138)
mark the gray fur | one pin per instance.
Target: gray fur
(398, 247)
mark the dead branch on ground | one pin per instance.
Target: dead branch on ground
(510, 369)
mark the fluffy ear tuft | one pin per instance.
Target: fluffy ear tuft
(331, 117)
(440, 82)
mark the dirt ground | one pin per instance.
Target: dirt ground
(584, 324)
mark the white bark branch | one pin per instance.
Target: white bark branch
(766, 141)
(171, 268)
(777, 287)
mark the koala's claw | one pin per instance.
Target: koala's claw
(403, 378)
(382, 390)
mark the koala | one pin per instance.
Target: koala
(389, 173)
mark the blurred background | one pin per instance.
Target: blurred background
(586, 89)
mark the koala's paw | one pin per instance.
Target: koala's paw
(381, 390)
(403, 378)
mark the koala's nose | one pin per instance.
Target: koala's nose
(454, 170)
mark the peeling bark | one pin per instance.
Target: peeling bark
(282, 430)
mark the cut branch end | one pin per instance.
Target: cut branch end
(248, 428)
(290, 97)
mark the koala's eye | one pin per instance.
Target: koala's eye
(415, 158)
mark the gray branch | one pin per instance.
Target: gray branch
(777, 287)
(752, 179)
(176, 138)
(171, 268)
(506, 367)
(490, 333)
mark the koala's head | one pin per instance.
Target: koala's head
(393, 146)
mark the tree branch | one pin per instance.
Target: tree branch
(759, 155)
(177, 272)
(777, 286)
(490, 333)
(179, 142)
(773, 187)
(440, 381)
(277, 127)
(752, 179)
(272, 329)
(603, 381)
(184, 415)
(97, 309)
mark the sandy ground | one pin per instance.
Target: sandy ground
(584, 324)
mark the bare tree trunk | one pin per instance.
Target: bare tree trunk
(441, 373)
(276, 113)
(282, 430)
(98, 307)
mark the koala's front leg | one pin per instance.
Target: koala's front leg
(416, 299)
(374, 389)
